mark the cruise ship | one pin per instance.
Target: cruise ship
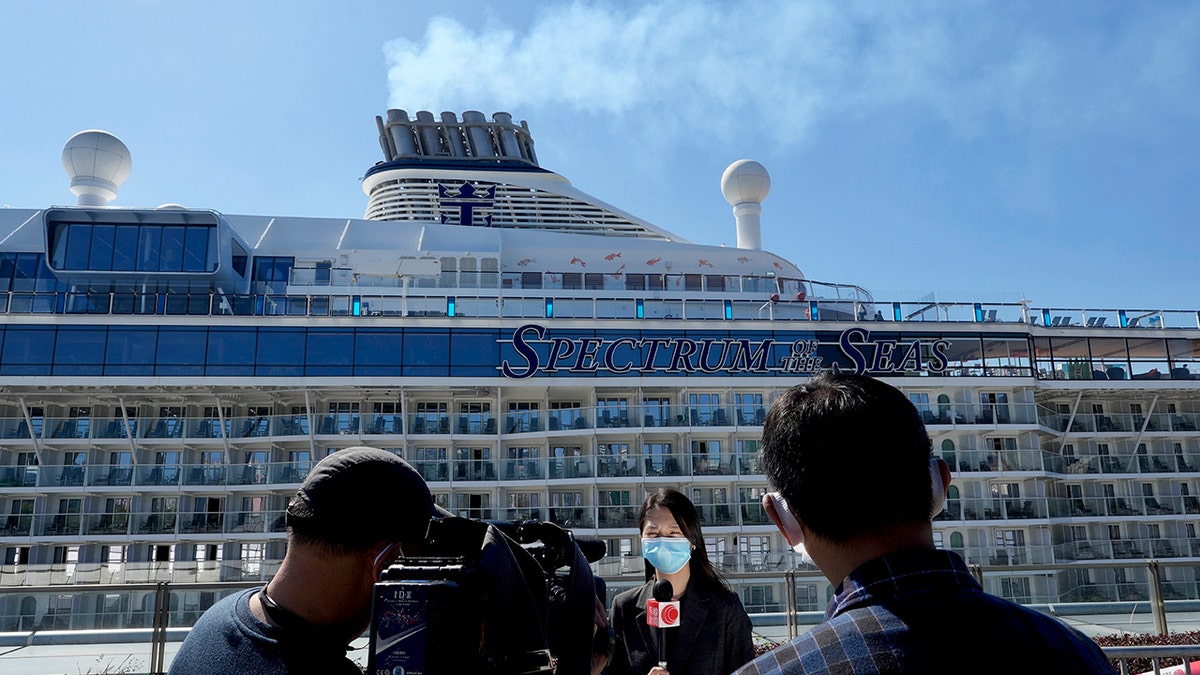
(169, 374)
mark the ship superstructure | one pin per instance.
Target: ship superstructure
(170, 374)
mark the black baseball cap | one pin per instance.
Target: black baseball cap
(360, 496)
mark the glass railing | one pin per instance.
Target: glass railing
(1077, 507)
(623, 517)
(154, 522)
(974, 509)
(517, 515)
(181, 572)
(571, 517)
(101, 524)
(603, 466)
(433, 471)
(988, 508)
(600, 418)
(575, 466)
(1124, 549)
(1008, 555)
(154, 475)
(17, 525)
(753, 513)
(474, 470)
(67, 428)
(956, 414)
(522, 469)
(183, 521)
(750, 298)
(968, 461)
(16, 428)
(1120, 423)
(201, 522)
(428, 424)
(717, 515)
(57, 525)
(113, 427)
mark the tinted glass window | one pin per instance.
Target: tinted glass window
(195, 250)
(79, 244)
(182, 346)
(149, 240)
(474, 353)
(101, 257)
(230, 350)
(280, 351)
(329, 347)
(171, 259)
(377, 352)
(426, 353)
(125, 248)
(26, 272)
(28, 350)
(79, 346)
(280, 346)
(131, 351)
(7, 267)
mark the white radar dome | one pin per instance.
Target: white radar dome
(97, 162)
(745, 181)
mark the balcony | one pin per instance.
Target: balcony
(1003, 460)
(1119, 423)
(517, 515)
(107, 524)
(988, 508)
(617, 517)
(571, 517)
(154, 522)
(716, 515)
(201, 522)
(474, 470)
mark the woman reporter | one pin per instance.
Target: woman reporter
(713, 636)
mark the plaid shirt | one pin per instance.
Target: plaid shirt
(921, 611)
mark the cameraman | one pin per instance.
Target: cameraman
(350, 518)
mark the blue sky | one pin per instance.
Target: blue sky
(980, 150)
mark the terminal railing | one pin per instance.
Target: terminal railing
(164, 606)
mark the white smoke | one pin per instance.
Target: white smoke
(686, 67)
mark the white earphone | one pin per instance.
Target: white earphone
(788, 523)
(939, 489)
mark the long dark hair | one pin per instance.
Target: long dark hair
(684, 512)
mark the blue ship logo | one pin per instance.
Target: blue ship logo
(473, 204)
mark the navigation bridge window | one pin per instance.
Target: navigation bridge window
(133, 247)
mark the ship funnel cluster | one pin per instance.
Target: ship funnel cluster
(97, 163)
(471, 138)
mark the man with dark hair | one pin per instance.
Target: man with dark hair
(857, 491)
(350, 518)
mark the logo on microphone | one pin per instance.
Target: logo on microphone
(660, 614)
(668, 614)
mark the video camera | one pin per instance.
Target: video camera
(487, 597)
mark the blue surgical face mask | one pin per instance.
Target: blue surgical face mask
(667, 554)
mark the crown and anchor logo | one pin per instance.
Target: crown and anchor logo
(469, 200)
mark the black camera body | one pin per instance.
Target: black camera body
(482, 601)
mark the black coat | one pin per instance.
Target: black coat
(713, 637)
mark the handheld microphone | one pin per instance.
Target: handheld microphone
(662, 613)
